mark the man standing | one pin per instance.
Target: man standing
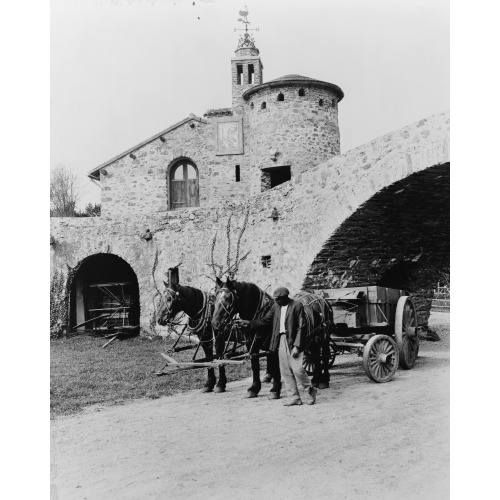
(289, 333)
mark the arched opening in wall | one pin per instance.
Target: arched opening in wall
(184, 185)
(104, 295)
(321, 102)
(239, 74)
(302, 92)
(251, 105)
(281, 97)
(251, 74)
(263, 105)
(399, 238)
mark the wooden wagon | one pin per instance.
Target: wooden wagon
(380, 324)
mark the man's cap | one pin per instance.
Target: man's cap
(281, 292)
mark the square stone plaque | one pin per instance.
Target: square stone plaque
(229, 136)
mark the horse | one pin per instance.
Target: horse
(249, 302)
(319, 321)
(198, 306)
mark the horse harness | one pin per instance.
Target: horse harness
(265, 303)
(197, 323)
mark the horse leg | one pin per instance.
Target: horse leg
(207, 345)
(254, 389)
(273, 367)
(316, 360)
(221, 384)
(219, 350)
(269, 370)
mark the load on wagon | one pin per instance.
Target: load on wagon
(378, 323)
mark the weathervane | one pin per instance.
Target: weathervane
(246, 40)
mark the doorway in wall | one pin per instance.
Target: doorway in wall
(104, 295)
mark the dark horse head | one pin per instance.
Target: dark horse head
(170, 304)
(225, 306)
(236, 297)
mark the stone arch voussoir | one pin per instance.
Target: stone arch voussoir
(398, 238)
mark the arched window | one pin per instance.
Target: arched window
(184, 185)
(251, 105)
(302, 92)
(281, 97)
(321, 102)
(263, 105)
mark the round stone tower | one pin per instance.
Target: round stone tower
(292, 125)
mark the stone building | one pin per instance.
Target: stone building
(378, 214)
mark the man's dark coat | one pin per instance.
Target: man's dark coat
(295, 324)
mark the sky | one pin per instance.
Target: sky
(123, 70)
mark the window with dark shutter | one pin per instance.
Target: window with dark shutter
(184, 185)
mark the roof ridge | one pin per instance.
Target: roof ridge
(147, 141)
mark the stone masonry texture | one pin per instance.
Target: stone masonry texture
(336, 223)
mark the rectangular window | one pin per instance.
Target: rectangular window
(266, 261)
(280, 175)
(274, 176)
(239, 74)
(251, 74)
(237, 173)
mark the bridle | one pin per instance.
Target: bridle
(198, 321)
(263, 307)
(234, 298)
(173, 296)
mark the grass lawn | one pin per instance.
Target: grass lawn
(83, 374)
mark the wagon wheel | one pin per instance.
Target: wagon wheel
(309, 363)
(405, 332)
(333, 352)
(380, 358)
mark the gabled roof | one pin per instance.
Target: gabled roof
(95, 172)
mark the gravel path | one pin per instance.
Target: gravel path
(361, 440)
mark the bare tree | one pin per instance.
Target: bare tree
(63, 192)
(232, 267)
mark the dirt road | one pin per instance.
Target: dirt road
(361, 440)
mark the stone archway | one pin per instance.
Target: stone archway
(399, 238)
(99, 283)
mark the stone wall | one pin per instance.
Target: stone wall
(139, 184)
(245, 57)
(298, 129)
(399, 238)
(312, 207)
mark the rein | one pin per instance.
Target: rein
(234, 297)
(202, 317)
